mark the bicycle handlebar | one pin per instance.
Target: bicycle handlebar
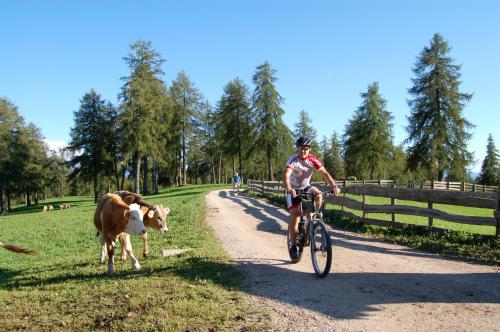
(307, 195)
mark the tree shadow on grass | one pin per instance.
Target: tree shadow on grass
(340, 295)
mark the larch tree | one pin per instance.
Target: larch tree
(272, 135)
(337, 167)
(234, 122)
(368, 136)
(490, 170)
(89, 141)
(437, 129)
(187, 112)
(141, 98)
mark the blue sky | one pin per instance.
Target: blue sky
(325, 54)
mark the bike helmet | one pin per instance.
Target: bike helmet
(302, 140)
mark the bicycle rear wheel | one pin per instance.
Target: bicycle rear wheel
(321, 249)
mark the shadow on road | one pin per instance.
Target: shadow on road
(353, 295)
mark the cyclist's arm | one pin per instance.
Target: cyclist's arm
(286, 180)
(329, 179)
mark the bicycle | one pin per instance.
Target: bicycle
(312, 232)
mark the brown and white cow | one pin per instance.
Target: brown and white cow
(113, 217)
(48, 207)
(155, 216)
(64, 206)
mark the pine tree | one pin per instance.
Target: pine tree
(303, 127)
(234, 122)
(490, 170)
(187, 112)
(11, 151)
(437, 130)
(337, 169)
(141, 99)
(89, 141)
(368, 136)
(272, 135)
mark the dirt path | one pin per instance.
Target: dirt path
(373, 286)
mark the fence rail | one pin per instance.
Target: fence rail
(385, 188)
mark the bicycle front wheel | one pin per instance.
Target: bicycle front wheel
(321, 249)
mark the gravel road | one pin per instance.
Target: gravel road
(373, 286)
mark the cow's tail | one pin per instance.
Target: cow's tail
(17, 249)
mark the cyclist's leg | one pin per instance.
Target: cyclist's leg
(318, 199)
(293, 204)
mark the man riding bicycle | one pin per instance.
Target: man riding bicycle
(297, 177)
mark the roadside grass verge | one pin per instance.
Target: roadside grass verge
(471, 242)
(65, 288)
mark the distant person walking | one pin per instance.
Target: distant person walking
(236, 183)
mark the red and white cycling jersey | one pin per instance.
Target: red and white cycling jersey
(302, 170)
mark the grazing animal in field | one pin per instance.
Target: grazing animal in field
(17, 249)
(113, 217)
(48, 207)
(64, 206)
(155, 216)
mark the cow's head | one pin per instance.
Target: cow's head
(157, 218)
(135, 223)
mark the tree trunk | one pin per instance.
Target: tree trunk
(117, 174)
(212, 175)
(2, 195)
(7, 193)
(220, 167)
(155, 177)
(137, 172)
(28, 196)
(122, 181)
(145, 190)
(36, 197)
(269, 165)
(96, 191)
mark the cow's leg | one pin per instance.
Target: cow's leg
(110, 246)
(102, 242)
(128, 249)
(122, 246)
(146, 248)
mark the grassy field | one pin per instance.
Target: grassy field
(416, 220)
(65, 288)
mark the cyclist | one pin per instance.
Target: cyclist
(297, 177)
(236, 182)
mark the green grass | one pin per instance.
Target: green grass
(423, 221)
(65, 288)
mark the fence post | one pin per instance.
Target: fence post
(432, 184)
(484, 188)
(365, 201)
(474, 187)
(344, 189)
(462, 186)
(422, 184)
(497, 215)
(431, 220)
(379, 182)
(448, 184)
(262, 190)
(393, 202)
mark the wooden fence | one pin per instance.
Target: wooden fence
(385, 188)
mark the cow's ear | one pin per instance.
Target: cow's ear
(167, 210)
(151, 213)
